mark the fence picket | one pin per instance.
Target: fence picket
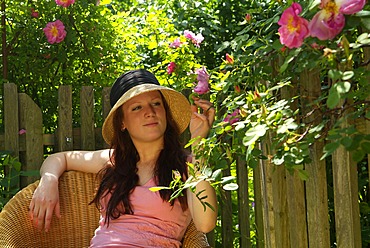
(30, 119)
(268, 208)
(87, 118)
(316, 184)
(11, 121)
(243, 203)
(226, 215)
(367, 122)
(258, 205)
(296, 206)
(65, 134)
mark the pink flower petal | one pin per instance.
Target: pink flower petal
(176, 43)
(349, 7)
(294, 29)
(22, 131)
(171, 67)
(325, 25)
(55, 32)
(64, 3)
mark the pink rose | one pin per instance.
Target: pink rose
(233, 117)
(34, 13)
(176, 43)
(196, 39)
(22, 131)
(64, 3)
(293, 28)
(171, 67)
(55, 32)
(203, 81)
(330, 20)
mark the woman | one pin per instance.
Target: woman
(143, 129)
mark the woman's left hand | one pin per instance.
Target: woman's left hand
(201, 123)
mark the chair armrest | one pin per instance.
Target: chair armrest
(194, 238)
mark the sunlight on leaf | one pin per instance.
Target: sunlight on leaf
(158, 188)
(230, 186)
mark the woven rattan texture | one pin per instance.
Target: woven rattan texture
(77, 224)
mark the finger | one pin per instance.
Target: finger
(48, 217)
(40, 220)
(202, 103)
(194, 108)
(211, 113)
(30, 210)
(201, 116)
(35, 216)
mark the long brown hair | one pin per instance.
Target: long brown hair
(121, 177)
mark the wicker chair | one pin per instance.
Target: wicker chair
(78, 222)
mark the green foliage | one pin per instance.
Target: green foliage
(10, 169)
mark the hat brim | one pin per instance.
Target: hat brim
(178, 105)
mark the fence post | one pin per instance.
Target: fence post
(258, 206)
(345, 182)
(296, 205)
(11, 121)
(316, 184)
(30, 119)
(243, 202)
(106, 106)
(367, 122)
(226, 201)
(65, 135)
(87, 118)
(268, 208)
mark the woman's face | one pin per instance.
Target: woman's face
(144, 117)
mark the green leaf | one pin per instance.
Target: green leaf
(227, 179)
(347, 75)
(366, 147)
(253, 134)
(289, 59)
(329, 149)
(158, 188)
(303, 174)
(230, 186)
(366, 22)
(333, 98)
(343, 87)
(336, 91)
(346, 141)
(363, 13)
(30, 173)
(17, 166)
(217, 174)
(335, 74)
(358, 155)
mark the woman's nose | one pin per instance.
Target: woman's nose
(149, 111)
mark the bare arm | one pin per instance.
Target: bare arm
(204, 220)
(45, 199)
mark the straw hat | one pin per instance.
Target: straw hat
(140, 81)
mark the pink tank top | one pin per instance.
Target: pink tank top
(155, 223)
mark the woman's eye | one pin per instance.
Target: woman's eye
(157, 104)
(136, 108)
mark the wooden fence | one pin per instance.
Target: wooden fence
(289, 212)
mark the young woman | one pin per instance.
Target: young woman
(143, 129)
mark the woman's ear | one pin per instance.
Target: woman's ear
(123, 127)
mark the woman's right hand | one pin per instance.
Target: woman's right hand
(45, 201)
